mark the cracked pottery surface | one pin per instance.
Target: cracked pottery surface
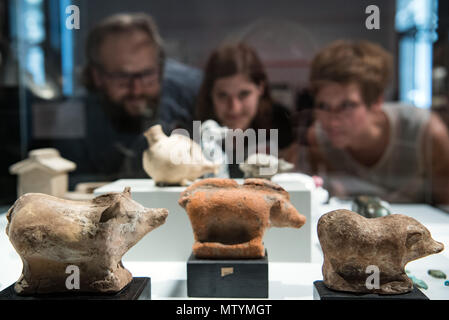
(351, 243)
(51, 234)
(229, 220)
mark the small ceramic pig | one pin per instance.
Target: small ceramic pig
(353, 244)
(229, 220)
(174, 160)
(51, 234)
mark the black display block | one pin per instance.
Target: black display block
(243, 278)
(321, 292)
(137, 289)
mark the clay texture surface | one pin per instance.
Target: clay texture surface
(351, 243)
(51, 234)
(229, 220)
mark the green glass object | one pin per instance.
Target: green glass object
(370, 207)
(419, 283)
(437, 274)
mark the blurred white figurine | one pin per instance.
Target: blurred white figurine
(260, 165)
(174, 160)
(312, 183)
(212, 135)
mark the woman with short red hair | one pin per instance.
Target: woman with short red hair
(362, 145)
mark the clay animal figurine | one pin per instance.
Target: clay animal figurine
(174, 160)
(229, 220)
(260, 165)
(353, 244)
(50, 234)
(370, 207)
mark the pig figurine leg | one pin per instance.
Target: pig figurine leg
(252, 249)
(399, 283)
(55, 277)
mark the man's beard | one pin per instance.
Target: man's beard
(125, 122)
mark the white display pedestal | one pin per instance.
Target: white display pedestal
(173, 240)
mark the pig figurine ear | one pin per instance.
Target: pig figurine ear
(110, 212)
(127, 191)
(413, 236)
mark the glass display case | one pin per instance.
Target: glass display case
(348, 103)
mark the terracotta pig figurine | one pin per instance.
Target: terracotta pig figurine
(229, 220)
(353, 244)
(51, 234)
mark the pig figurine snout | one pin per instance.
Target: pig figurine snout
(157, 217)
(438, 247)
(419, 242)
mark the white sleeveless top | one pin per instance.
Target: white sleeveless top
(400, 174)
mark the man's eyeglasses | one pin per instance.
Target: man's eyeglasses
(344, 108)
(126, 79)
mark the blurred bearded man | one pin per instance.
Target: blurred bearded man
(132, 86)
